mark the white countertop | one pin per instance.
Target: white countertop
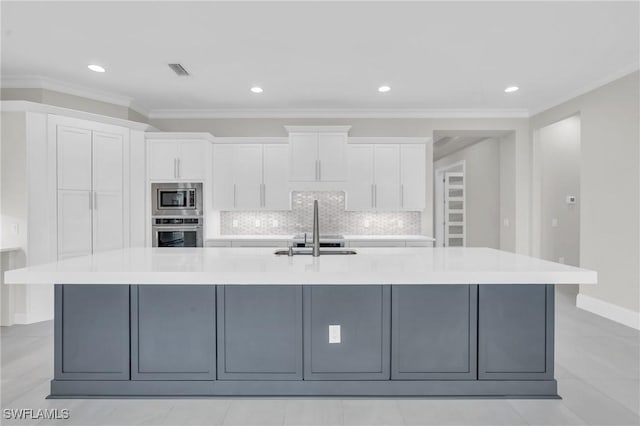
(347, 237)
(260, 266)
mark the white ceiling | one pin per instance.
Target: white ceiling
(331, 55)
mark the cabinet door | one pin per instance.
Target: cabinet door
(515, 332)
(73, 146)
(359, 194)
(108, 221)
(74, 223)
(358, 349)
(222, 185)
(303, 156)
(259, 332)
(92, 332)
(192, 162)
(275, 189)
(163, 157)
(108, 213)
(387, 177)
(247, 172)
(173, 332)
(332, 162)
(434, 332)
(413, 161)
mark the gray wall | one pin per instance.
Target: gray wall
(482, 168)
(65, 100)
(610, 187)
(560, 161)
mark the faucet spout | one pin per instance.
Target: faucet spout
(315, 251)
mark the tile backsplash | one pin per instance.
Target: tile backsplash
(333, 218)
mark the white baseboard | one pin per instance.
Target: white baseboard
(20, 319)
(609, 310)
(30, 319)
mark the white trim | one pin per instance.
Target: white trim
(46, 83)
(180, 135)
(20, 319)
(387, 140)
(305, 129)
(250, 139)
(609, 310)
(27, 106)
(586, 88)
(338, 113)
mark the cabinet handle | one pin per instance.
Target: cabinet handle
(90, 200)
(95, 200)
(372, 205)
(401, 195)
(264, 195)
(375, 194)
(178, 161)
(319, 169)
(234, 195)
(175, 168)
(316, 169)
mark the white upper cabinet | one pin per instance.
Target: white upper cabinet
(247, 174)
(359, 194)
(250, 177)
(74, 158)
(386, 177)
(387, 187)
(413, 178)
(178, 156)
(275, 188)
(317, 156)
(304, 156)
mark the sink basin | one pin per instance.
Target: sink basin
(297, 252)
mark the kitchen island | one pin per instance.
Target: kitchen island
(244, 322)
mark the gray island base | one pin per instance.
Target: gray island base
(460, 340)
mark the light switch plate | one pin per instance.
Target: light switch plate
(334, 334)
(554, 222)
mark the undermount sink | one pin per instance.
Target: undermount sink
(297, 252)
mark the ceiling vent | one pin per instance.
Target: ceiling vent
(179, 69)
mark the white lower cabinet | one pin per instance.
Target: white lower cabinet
(251, 177)
(91, 177)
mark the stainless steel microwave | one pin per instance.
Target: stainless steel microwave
(176, 199)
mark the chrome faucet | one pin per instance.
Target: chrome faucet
(315, 251)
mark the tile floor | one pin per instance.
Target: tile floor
(597, 367)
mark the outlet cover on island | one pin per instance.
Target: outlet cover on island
(334, 334)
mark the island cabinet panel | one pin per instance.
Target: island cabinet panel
(515, 332)
(259, 332)
(173, 329)
(360, 349)
(91, 332)
(434, 330)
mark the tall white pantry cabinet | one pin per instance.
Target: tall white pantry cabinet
(92, 186)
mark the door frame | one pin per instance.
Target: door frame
(438, 194)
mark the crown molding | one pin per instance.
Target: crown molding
(389, 140)
(180, 135)
(336, 113)
(37, 107)
(587, 88)
(46, 83)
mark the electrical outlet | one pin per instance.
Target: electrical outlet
(554, 222)
(366, 223)
(400, 224)
(334, 334)
(506, 223)
(274, 223)
(257, 223)
(234, 223)
(15, 229)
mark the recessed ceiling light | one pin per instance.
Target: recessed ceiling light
(511, 89)
(383, 89)
(256, 89)
(96, 68)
